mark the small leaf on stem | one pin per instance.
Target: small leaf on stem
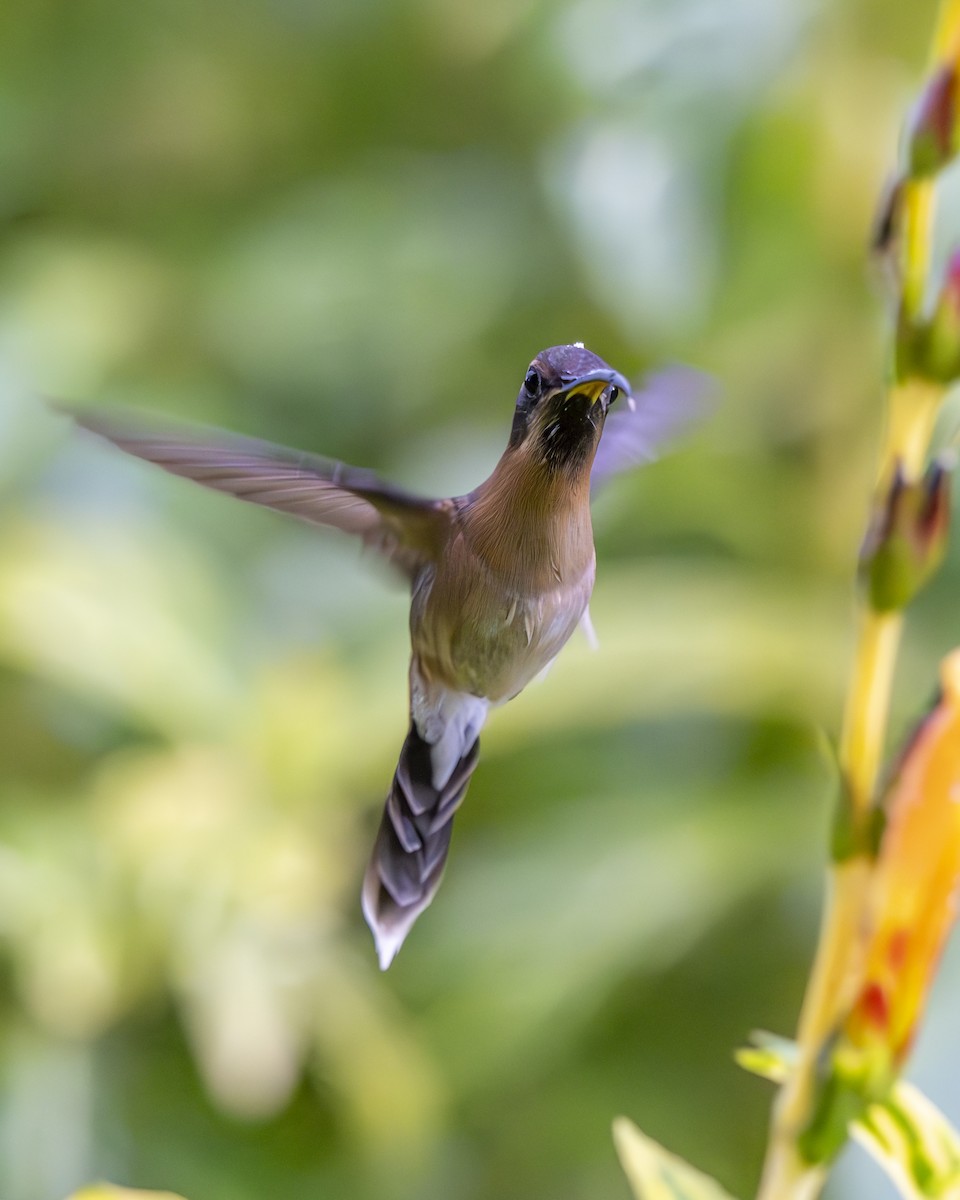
(655, 1174)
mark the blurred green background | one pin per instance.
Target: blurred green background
(348, 225)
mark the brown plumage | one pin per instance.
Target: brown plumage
(499, 577)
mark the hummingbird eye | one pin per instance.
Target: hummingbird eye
(614, 393)
(532, 383)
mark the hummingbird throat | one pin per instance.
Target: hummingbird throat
(567, 437)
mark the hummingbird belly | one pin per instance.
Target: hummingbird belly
(482, 640)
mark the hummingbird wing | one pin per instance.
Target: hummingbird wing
(663, 407)
(407, 529)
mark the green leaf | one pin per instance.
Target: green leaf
(655, 1174)
(914, 1143)
(108, 1191)
(769, 1056)
(840, 1099)
(907, 1135)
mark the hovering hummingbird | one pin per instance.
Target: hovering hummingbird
(499, 577)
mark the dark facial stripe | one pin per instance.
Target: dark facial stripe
(521, 423)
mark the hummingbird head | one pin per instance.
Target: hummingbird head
(562, 404)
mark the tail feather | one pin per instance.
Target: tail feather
(411, 848)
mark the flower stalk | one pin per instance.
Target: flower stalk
(905, 542)
(893, 885)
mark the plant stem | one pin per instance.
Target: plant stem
(919, 210)
(913, 407)
(947, 36)
(833, 978)
(836, 968)
(868, 703)
(911, 414)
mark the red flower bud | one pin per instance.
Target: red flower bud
(907, 537)
(932, 134)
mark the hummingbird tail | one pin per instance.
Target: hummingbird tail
(411, 847)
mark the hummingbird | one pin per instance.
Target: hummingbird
(499, 577)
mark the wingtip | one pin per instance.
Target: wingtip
(687, 385)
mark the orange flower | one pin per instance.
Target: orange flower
(915, 882)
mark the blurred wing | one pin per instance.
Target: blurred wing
(669, 401)
(408, 530)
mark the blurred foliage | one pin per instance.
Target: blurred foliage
(105, 1191)
(348, 226)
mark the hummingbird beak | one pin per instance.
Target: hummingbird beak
(596, 383)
